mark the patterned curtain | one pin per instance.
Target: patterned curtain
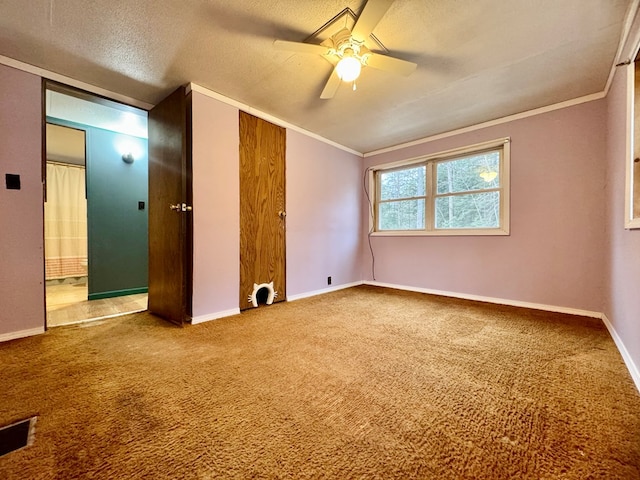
(65, 222)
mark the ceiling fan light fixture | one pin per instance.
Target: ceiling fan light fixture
(348, 68)
(346, 48)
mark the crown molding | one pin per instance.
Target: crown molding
(194, 87)
(491, 123)
(56, 77)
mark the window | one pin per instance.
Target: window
(403, 195)
(460, 192)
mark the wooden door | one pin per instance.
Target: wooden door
(262, 206)
(170, 236)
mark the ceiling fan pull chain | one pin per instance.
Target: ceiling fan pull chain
(354, 85)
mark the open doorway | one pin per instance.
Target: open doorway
(96, 225)
(65, 221)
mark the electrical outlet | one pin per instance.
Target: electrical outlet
(328, 280)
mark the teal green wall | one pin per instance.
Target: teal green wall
(117, 230)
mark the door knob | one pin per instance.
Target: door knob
(282, 214)
(181, 207)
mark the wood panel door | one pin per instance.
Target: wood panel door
(262, 206)
(170, 236)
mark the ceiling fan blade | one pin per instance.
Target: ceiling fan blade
(373, 12)
(332, 85)
(301, 47)
(391, 64)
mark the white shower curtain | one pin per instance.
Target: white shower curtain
(65, 222)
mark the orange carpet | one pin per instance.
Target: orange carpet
(360, 383)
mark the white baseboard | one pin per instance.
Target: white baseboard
(291, 298)
(236, 311)
(214, 316)
(628, 361)
(499, 301)
(21, 334)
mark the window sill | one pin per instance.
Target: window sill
(632, 224)
(467, 232)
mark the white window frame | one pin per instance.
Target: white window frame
(430, 161)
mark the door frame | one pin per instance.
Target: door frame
(48, 84)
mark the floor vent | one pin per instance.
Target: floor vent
(17, 435)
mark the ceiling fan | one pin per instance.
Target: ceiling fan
(347, 51)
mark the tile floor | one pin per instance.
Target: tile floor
(68, 304)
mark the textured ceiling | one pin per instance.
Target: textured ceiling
(478, 60)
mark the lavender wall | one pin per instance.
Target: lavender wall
(21, 240)
(216, 208)
(323, 211)
(622, 252)
(553, 255)
(323, 215)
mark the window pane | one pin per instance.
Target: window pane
(405, 183)
(477, 172)
(401, 215)
(476, 210)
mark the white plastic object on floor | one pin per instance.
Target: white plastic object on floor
(253, 298)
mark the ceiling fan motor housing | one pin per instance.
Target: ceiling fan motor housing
(345, 46)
